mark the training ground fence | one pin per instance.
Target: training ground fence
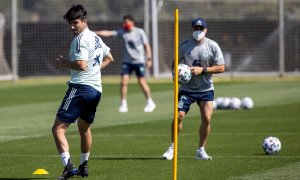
(256, 36)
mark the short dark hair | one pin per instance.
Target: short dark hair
(75, 12)
(129, 17)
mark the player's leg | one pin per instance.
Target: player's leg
(125, 73)
(184, 104)
(59, 133)
(150, 105)
(85, 144)
(140, 73)
(181, 115)
(91, 100)
(170, 151)
(85, 136)
(206, 110)
(124, 88)
(144, 86)
(67, 113)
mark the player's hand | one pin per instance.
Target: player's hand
(59, 63)
(196, 70)
(149, 64)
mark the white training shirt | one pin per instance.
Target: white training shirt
(87, 46)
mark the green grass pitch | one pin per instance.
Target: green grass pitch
(129, 146)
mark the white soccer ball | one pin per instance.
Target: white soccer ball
(271, 145)
(225, 103)
(219, 101)
(235, 103)
(184, 73)
(247, 103)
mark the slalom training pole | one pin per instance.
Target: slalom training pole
(175, 119)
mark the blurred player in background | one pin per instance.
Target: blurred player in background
(135, 45)
(205, 58)
(88, 54)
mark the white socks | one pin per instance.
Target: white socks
(65, 156)
(150, 101)
(84, 157)
(124, 102)
(201, 148)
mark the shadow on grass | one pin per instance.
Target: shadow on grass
(128, 158)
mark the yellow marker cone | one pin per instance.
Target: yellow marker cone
(40, 172)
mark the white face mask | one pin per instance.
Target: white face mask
(198, 35)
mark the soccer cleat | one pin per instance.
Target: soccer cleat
(68, 172)
(150, 106)
(202, 155)
(123, 108)
(168, 155)
(83, 169)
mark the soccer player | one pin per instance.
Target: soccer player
(135, 45)
(88, 54)
(205, 58)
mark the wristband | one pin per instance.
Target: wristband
(149, 59)
(204, 70)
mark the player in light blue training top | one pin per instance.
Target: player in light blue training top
(88, 54)
(205, 58)
(136, 56)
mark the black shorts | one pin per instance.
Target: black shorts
(185, 99)
(79, 101)
(128, 68)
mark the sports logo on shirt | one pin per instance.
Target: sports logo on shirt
(131, 44)
(97, 43)
(97, 60)
(197, 62)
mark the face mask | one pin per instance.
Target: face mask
(127, 26)
(198, 35)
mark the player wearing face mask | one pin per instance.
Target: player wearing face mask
(205, 58)
(137, 57)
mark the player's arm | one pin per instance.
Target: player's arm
(148, 55)
(105, 33)
(80, 65)
(107, 60)
(212, 70)
(215, 69)
(218, 65)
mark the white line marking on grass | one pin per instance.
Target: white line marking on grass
(16, 137)
(143, 156)
(11, 138)
(187, 134)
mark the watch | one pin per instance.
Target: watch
(204, 70)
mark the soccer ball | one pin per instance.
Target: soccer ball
(271, 145)
(219, 101)
(235, 103)
(247, 103)
(225, 103)
(184, 73)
